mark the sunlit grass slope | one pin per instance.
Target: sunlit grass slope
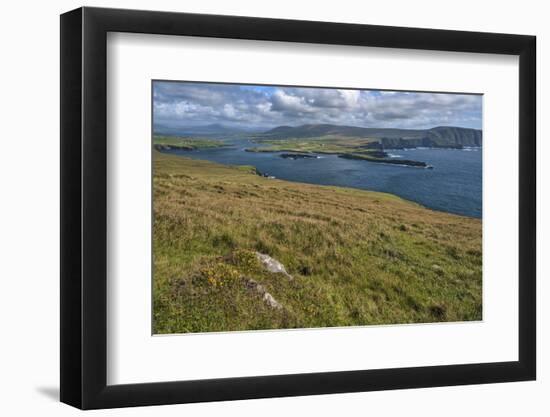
(356, 257)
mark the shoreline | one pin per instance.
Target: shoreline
(380, 157)
(269, 176)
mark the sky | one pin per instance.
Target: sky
(252, 107)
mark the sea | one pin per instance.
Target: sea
(454, 185)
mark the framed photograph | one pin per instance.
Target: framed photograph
(257, 208)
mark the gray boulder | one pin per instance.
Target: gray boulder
(266, 297)
(272, 265)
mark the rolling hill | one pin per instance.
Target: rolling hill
(441, 136)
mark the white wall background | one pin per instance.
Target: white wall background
(29, 219)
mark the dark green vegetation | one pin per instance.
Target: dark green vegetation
(367, 157)
(356, 257)
(437, 137)
(296, 156)
(184, 143)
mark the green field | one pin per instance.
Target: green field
(344, 147)
(185, 143)
(356, 257)
(324, 144)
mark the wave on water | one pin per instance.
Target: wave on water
(392, 155)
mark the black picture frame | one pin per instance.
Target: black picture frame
(84, 207)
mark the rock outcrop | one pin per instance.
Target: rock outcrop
(272, 265)
(438, 137)
(266, 297)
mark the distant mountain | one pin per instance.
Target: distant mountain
(206, 130)
(315, 130)
(441, 136)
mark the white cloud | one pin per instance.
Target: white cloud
(264, 107)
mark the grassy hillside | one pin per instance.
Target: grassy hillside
(356, 257)
(325, 144)
(436, 137)
(316, 130)
(185, 143)
(441, 136)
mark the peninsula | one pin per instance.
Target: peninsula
(368, 144)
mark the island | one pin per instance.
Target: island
(366, 157)
(298, 156)
(349, 148)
